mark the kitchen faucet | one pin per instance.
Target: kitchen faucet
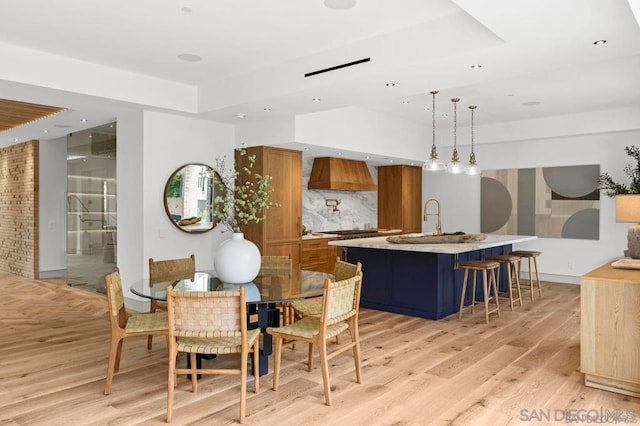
(426, 215)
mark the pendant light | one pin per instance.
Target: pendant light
(454, 166)
(433, 164)
(472, 168)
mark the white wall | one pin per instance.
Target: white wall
(52, 232)
(561, 259)
(170, 142)
(362, 130)
(265, 132)
(130, 189)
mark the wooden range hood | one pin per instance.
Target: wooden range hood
(340, 174)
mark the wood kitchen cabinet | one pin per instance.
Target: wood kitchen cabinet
(400, 198)
(318, 255)
(280, 233)
(610, 329)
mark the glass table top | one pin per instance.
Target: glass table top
(274, 288)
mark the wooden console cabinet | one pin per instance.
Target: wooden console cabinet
(610, 329)
(317, 255)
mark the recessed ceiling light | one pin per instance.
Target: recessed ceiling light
(316, 99)
(599, 42)
(241, 115)
(45, 131)
(267, 109)
(111, 125)
(306, 149)
(339, 4)
(186, 9)
(339, 153)
(84, 120)
(189, 57)
(390, 84)
(16, 140)
(411, 164)
(444, 115)
(391, 161)
(476, 66)
(405, 102)
(531, 103)
(427, 109)
(368, 157)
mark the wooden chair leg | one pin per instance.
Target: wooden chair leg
(324, 364)
(464, 292)
(194, 375)
(492, 280)
(256, 365)
(486, 295)
(473, 291)
(111, 368)
(517, 279)
(355, 338)
(530, 279)
(171, 383)
(243, 383)
(535, 264)
(118, 355)
(149, 342)
(509, 282)
(310, 357)
(276, 361)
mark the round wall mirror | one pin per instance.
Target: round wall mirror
(188, 198)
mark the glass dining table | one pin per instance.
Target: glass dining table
(262, 295)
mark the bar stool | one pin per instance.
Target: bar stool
(512, 263)
(486, 266)
(530, 256)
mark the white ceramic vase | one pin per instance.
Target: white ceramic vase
(237, 261)
(251, 291)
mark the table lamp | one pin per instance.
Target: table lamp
(628, 211)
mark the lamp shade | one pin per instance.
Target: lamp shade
(628, 208)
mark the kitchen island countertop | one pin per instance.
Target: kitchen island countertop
(381, 243)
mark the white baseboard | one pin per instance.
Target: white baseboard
(53, 273)
(555, 278)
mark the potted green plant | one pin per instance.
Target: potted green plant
(237, 203)
(613, 188)
(627, 199)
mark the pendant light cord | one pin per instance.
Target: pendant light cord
(455, 157)
(472, 157)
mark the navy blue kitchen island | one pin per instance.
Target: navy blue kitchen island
(421, 280)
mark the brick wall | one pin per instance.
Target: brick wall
(19, 194)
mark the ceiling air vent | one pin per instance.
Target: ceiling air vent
(337, 67)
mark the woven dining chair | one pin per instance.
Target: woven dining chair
(168, 270)
(124, 324)
(340, 305)
(210, 322)
(313, 306)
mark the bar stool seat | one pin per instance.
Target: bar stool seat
(532, 258)
(512, 263)
(488, 267)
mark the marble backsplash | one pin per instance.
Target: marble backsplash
(357, 209)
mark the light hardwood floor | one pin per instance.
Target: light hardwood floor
(523, 366)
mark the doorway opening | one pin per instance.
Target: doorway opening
(91, 206)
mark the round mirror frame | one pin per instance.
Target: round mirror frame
(193, 224)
